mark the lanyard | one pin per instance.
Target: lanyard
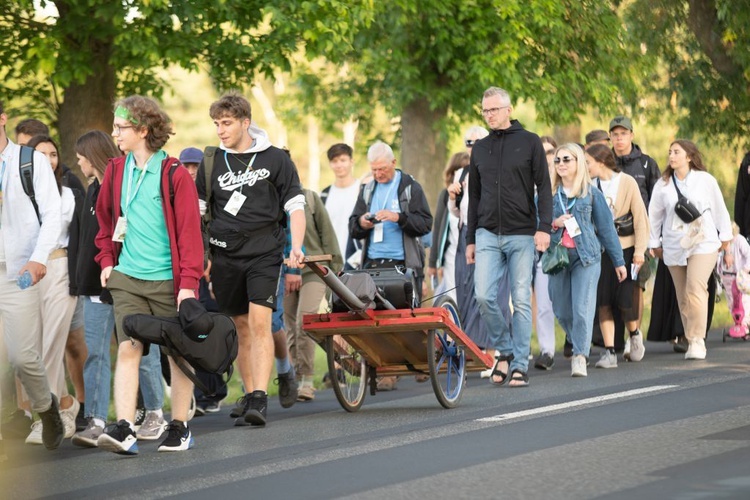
(387, 194)
(249, 166)
(559, 196)
(2, 176)
(129, 165)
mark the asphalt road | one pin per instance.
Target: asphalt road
(661, 428)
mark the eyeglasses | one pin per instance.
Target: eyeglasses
(117, 129)
(492, 111)
(564, 159)
(469, 143)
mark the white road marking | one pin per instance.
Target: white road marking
(574, 404)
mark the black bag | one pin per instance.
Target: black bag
(624, 225)
(215, 353)
(394, 285)
(684, 208)
(555, 259)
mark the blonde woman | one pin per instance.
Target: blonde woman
(582, 223)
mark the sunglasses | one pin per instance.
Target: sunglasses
(469, 143)
(564, 159)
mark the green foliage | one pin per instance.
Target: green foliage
(703, 44)
(565, 55)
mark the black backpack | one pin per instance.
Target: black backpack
(26, 169)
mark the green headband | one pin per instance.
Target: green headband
(121, 112)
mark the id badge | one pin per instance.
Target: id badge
(377, 235)
(120, 229)
(235, 203)
(678, 225)
(572, 226)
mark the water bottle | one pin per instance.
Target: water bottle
(25, 280)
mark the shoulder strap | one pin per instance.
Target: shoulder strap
(26, 169)
(674, 181)
(367, 192)
(172, 169)
(324, 194)
(208, 168)
(310, 200)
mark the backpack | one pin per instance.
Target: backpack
(208, 168)
(26, 169)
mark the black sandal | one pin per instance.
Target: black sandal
(522, 378)
(496, 372)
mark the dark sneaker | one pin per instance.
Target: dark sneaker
(256, 414)
(140, 417)
(179, 437)
(17, 425)
(568, 349)
(81, 421)
(288, 389)
(680, 345)
(213, 407)
(119, 438)
(241, 407)
(544, 362)
(52, 430)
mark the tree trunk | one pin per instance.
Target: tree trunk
(424, 151)
(87, 106)
(568, 133)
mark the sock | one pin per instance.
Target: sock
(260, 394)
(283, 365)
(27, 413)
(307, 381)
(99, 422)
(132, 427)
(634, 332)
(610, 349)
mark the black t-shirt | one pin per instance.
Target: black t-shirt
(268, 184)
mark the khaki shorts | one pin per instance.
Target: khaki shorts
(134, 296)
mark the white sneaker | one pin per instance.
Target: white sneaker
(637, 348)
(152, 428)
(68, 417)
(607, 360)
(35, 437)
(578, 366)
(696, 350)
(626, 350)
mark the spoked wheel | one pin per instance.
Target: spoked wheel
(446, 359)
(348, 371)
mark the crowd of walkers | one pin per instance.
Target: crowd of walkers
(526, 231)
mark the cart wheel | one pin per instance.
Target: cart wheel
(350, 368)
(446, 359)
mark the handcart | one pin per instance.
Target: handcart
(362, 344)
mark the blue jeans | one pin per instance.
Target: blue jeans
(497, 255)
(149, 377)
(573, 294)
(99, 322)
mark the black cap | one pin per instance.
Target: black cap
(195, 320)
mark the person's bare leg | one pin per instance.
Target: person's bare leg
(243, 353)
(280, 349)
(129, 355)
(261, 346)
(607, 326)
(182, 392)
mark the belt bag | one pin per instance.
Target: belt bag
(624, 225)
(684, 208)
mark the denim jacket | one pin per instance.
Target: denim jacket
(597, 227)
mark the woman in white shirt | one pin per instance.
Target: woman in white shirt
(689, 249)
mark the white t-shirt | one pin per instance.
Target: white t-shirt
(340, 205)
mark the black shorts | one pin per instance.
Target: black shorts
(254, 278)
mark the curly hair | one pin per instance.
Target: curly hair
(147, 114)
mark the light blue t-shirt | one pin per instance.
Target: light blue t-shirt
(145, 252)
(385, 197)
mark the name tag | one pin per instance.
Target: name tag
(120, 229)
(235, 203)
(377, 234)
(572, 226)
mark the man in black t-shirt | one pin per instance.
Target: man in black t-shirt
(252, 184)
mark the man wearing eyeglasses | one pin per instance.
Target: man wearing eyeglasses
(503, 231)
